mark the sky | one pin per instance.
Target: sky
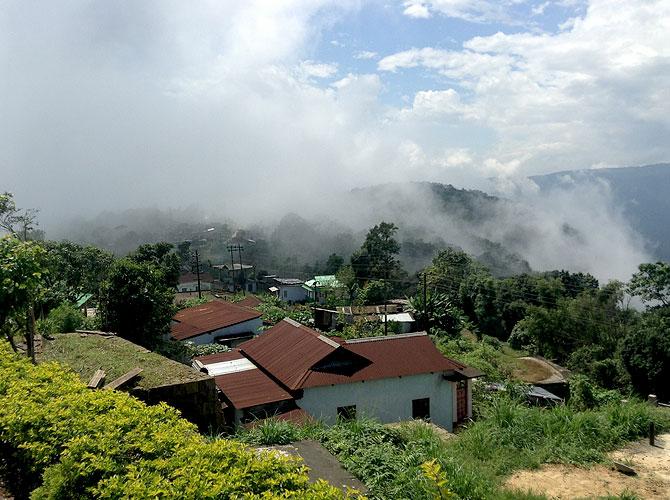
(246, 107)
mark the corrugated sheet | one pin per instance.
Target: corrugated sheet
(247, 388)
(288, 350)
(250, 388)
(393, 356)
(197, 320)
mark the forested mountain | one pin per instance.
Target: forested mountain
(642, 192)
(572, 230)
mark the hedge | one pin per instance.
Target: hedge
(62, 440)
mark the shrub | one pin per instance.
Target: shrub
(79, 443)
(64, 318)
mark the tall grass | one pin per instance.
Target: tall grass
(510, 436)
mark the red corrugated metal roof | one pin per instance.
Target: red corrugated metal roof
(250, 301)
(246, 388)
(250, 388)
(201, 319)
(288, 350)
(300, 357)
(392, 356)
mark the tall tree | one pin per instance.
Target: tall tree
(21, 275)
(161, 256)
(652, 283)
(136, 302)
(16, 221)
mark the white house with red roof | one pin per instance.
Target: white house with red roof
(217, 321)
(294, 370)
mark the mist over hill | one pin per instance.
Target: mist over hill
(579, 229)
(643, 193)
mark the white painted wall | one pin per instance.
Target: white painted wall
(192, 286)
(253, 325)
(292, 293)
(388, 400)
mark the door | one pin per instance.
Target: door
(461, 400)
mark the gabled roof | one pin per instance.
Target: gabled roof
(390, 356)
(242, 382)
(288, 350)
(300, 357)
(205, 318)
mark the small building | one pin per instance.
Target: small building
(188, 282)
(288, 289)
(321, 287)
(404, 319)
(291, 366)
(217, 321)
(236, 276)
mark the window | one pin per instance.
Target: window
(346, 412)
(285, 293)
(421, 408)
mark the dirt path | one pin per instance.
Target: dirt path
(652, 481)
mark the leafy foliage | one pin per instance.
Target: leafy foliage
(62, 319)
(652, 283)
(136, 302)
(79, 444)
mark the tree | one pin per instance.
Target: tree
(136, 302)
(347, 277)
(333, 264)
(646, 354)
(21, 274)
(652, 283)
(19, 222)
(73, 270)
(161, 256)
(437, 313)
(377, 257)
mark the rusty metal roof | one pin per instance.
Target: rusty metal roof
(243, 384)
(391, 356)
(300, 357)
(250, 301)
(288, 350)
(205, 318)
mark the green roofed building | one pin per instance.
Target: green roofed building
(321, 286)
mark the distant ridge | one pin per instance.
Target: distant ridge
(643, 192)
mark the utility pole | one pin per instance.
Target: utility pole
(197, 272)
(240, 249)
(231, 249)
(425, 303)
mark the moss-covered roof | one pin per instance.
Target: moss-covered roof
(116, 356)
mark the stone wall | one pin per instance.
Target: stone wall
(198, 402)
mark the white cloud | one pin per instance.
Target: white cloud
(479, 11)
(317, 70)
(416, 9)
(365, 54)
(597, 92)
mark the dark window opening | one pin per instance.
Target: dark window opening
(346, 412)
(421, 408)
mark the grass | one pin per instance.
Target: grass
(509, 437)
(116, 356)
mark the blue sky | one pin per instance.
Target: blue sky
(122, 103)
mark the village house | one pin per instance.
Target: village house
(188, 282)
(321, 287)
(217, 321)
(288, 289)
(293, 370)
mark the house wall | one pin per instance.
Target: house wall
(293, 293)
(389, 400)
(253, 326)
(192, 286)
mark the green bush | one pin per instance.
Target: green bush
(63, 319)
(71, 442)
